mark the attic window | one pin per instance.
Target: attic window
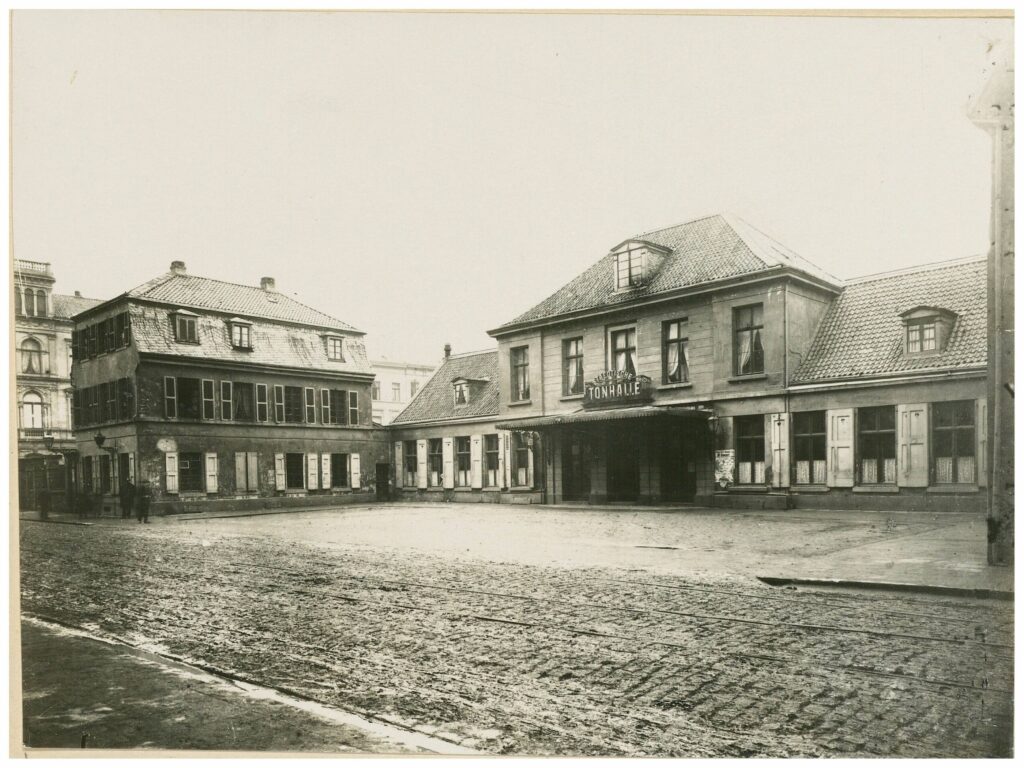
(461, 392)
(335, 348)
(629, 267)
(241, 334)
(926, 330)
(185, 327)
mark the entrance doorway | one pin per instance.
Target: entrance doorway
(678, 467)
(383, 478)
(623, 465)
(575, 467)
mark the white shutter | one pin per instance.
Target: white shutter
(279, 477)
(840, 448)
(421, 463)
(312, 472)
(529, 461)
(779, 436)
(211, 473)
(131, 468)
(325, 471)
(475, 456)
(240, 472)
(981, 430)
(325, 410)
(448, 458)
(355, 475)
(171, 471)
(399, 466)
(912, 453)
(253, 464)
(503, 463)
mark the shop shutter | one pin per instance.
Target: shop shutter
(981, 431)
(529, 460)
(399, 466)
(312, 472)
(171, 471)
(325, 471)
(354, 474)
(448, 459)
(131, 468)
(778, 433)
(211, 473)
(279, 471)
(253, 465)
(240, 472)
(840, 448)
(503, 463)
(421, 463)
(475, 457)
(912, 445)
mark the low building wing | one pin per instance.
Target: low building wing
(436, 401)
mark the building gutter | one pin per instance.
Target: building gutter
(856, 382)
(438, 422)
(237, 366)
(772, 273)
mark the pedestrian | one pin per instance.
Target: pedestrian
(44, 503)
(127, 500)
(142, 503)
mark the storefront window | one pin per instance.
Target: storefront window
(520, 460)
(953, 442)
(435, 463)
(463, 477)
(572, 366)
(749, 449)
(748, 323)
(809, 448)
(624, 350)
(491, 456)
(876, 444)
(674, 355)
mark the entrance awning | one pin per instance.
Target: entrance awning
(608, 414)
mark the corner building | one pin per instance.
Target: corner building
(708, 363)
(222, 396)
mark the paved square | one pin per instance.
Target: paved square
(637, 642)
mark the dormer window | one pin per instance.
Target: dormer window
(241, 335)
(635, 263)
(186, 328)
(926, 330)
(335, 348)
(461, 392)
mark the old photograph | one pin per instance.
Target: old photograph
(564, 384)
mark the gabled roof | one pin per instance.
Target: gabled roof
(205, 293)
(436, 399)
(293, 346)
(704, 250)
(863, 332)
(65, 307)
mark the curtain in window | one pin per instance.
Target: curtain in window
(758, 350)
(31, 356)
(744, 354)
(673, 362)
(574, 375)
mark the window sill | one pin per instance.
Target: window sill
(521, 489)
(877, 488)
(748, 489)
(190, 343)
(680, 385)
(809, 488)
(954, 488)
(563, 398)
(748, 377)
(514, 403)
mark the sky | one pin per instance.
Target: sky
(427, 177)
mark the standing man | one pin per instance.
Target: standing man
(142, 505)
(127, 500)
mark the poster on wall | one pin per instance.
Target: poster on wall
(724, 463)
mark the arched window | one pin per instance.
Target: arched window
(32, 411)
(18, 309)
(31, 356)
(41, 303)
(30, 302)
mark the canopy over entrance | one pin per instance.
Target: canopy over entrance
(609, 414)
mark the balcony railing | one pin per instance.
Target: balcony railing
(23, 265)
(41, 433)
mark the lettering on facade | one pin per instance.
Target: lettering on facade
(616, 388)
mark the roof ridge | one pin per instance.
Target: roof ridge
(731, 219)
(674, 226)
(73, 296)
(932, 265)
(455, 355)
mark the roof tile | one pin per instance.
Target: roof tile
(436, 399)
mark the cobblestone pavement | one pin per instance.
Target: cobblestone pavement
(527, 659)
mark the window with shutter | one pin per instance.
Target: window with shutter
(170, 397)
(208, 400)
(353, 407)
(325, 406)
(262, 408)
(226, 409)
(279, 403)
(310, 405)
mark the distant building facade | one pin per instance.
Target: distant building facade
(221, 396)
(395, 385)
(42, 343)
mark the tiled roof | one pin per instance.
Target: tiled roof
(712, 248)
(863, 334)
(436, 399)
(66, 307)
(249, 301)
(273, 343)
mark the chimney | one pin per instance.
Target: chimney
(178, 267)
(267, 284)
(78, 294)
(447, 351)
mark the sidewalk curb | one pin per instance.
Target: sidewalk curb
(930, 589)
(58, 522)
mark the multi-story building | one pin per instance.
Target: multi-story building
(42, 342)
(220, 395)
(706, 362)
(446, 445)
(395, 385)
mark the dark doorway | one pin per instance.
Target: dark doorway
(623, 465)
(295, 470)
(678, 467)
(575, 467)
(383, 486)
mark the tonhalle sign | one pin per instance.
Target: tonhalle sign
(616, 388)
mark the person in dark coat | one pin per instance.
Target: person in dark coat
(142, 503)
(127, 499)
(44, 503)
